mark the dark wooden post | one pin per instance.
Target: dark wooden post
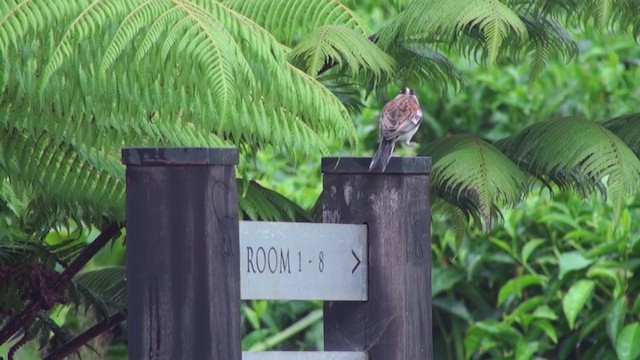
(183, 264)
(395, 323)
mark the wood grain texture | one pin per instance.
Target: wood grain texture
(395, 323)
(183, 262)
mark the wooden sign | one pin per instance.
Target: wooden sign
(303, 261)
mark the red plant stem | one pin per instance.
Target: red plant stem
(26, 315)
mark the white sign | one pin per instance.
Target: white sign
(303, 261)
(305, 355)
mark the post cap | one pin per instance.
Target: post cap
(360, 165)
(179, 156)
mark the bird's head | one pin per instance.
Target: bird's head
(406, 91)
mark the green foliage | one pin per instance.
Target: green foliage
(81, 79)
(498, 103)
(88, 78)
(278, 325)
(489, 179)
(435, 21)
(109, 74)
(576, 153)
(343, 45)
(302, 16)
(627, 127)
(556, 281)
(260, 203)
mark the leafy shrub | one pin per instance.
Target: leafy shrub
(556, 281)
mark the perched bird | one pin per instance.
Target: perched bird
(399, 120)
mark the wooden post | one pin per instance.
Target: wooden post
(182, 254)
(395, 323)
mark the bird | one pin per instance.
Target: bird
(399, 120)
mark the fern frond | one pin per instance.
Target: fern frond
(19, 17)
(103, 290)
(576, 153)
(260, 203)
(349, 92)
(208, 78)
(625, 13)
(349, 48)
(473, 175)
(627, 127)
(302, 16)
(87, 21)
(418, 62)
(548, 39)
(440, 20)
(64, 174)
(604, 8)
(100, 75)
(458, 218)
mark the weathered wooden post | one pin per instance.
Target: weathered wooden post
(395, 322)
(183, 268)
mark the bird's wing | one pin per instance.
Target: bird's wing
(399, 116)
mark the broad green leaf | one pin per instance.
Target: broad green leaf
(591, 323)
(566, 347)
(615, 318)
(253, 337)
(500, 331)
(260, 306)
(527, 306)
(628, 344)
(251, 316)
(545, 312)
(516, 285)
(526, 349)
(575, 298)
(503, 245)
(548, 329)
(609, 274)
(473, 339)
(572, 261)
(442, 279)
(529, 248)
(636, 305)
(457, 308)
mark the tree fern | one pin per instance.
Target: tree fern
(475, 176)
(341, 44)
(103, 290)
(576, 153)
(437, 20)
(99, 75)
(302, 16)
(418, 62)
(548, 40)
(260, 203)
(627, 128)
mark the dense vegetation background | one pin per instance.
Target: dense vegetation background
(554, 278)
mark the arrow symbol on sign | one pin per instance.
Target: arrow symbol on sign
(357, 259)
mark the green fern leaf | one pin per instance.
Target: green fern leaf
(627, 127)
(260, 203)
(103, 289)
(349, 48)
(441, 20)
(422, 63)
(302, 16)
(548, 39)
(473, 175)
(576, 153)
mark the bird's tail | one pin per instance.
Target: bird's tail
(383, 155)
